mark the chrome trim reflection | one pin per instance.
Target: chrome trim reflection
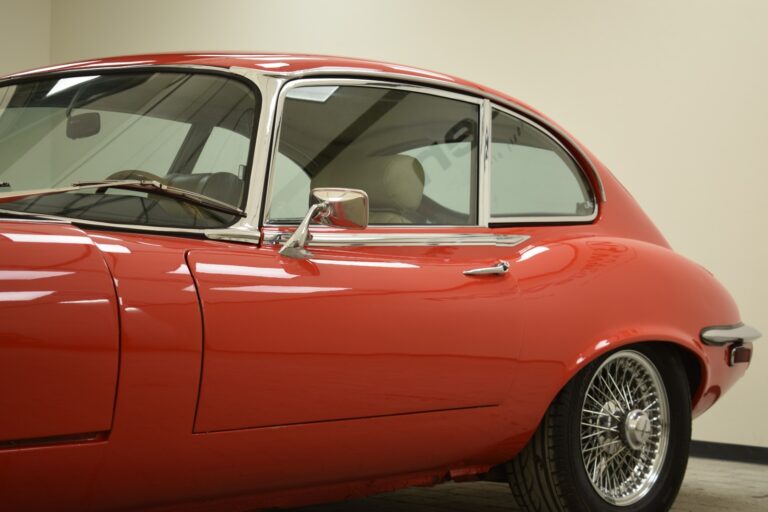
(320, 239)
(268, 123)
(720, 335)
(549, 219)
(32, 217)
(484, 169)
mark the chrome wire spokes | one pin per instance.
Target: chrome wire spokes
(624, 428)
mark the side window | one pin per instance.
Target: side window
(290, 190)
(531, 175)
(415, 154)
(446, 177)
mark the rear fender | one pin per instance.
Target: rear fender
(586, 297)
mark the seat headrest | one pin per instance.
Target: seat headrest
(391, 182)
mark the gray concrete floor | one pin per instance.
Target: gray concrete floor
(709, 486)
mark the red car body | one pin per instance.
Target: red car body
(144, 370)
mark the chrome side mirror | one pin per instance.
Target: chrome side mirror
(339, 207)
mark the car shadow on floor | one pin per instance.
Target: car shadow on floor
(704, 490)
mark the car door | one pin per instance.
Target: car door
(374, 323)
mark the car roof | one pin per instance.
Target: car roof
(283, 64)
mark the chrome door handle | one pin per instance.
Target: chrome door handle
(502, 267)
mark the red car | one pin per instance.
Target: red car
(233, 282)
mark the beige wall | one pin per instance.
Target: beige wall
(25, 34)
(670, 95)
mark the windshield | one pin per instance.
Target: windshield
(190, 131)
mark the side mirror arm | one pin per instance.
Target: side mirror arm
(295, 246)
(345, 208)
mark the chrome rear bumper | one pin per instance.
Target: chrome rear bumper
(734, 336)
(721, 335)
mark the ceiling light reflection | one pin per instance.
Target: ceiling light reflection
(23, 296)
(29, 275)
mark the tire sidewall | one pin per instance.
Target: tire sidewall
(663, 493)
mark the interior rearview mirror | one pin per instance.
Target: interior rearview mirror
(84, 125)
(340, 207)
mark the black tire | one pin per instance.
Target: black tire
(550, 475)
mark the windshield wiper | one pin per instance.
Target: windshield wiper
(151, 186)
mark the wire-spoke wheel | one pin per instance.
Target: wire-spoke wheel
(624, 427)
(615, 439)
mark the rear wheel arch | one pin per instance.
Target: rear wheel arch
(687, 357)
(537, 482)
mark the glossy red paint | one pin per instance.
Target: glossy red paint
(335, 354)
(58, 333)
(250, 380)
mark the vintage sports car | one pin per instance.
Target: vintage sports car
(235, 282)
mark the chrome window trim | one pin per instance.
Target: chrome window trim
(262, 149)
(446, 82)
(484, 169)
(360, 82)
(246, 228)
(240, 231)
(335, 239)
(34, 218)
(540, 219)
(148, 66)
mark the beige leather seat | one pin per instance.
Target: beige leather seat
(394, 184)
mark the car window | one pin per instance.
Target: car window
(224, 151)
(290, 190)
(415, 154)
(55, 131)
(445, 167)
(531, 175)
(146, 144)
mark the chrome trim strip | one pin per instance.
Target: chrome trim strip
(320, 239)
(269, 88)
(32, 217)
(484, 169)
(720, 335)
(445, 83)
(554, 219)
